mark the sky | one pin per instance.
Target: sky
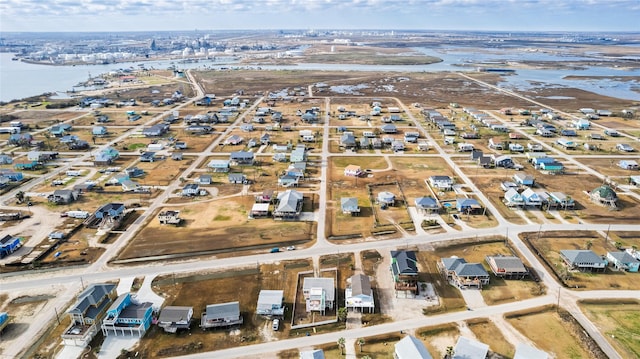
(159, 15)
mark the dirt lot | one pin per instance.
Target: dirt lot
(550, 244)
(209, 226)
(488, 333)
(609, 167)
(437, 339)
(619, 322)
(556, 333)
(20, 310)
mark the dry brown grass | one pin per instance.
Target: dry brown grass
(550, 244)
(199, 290)
(487, 332)
(619, 321)
(438, 338)
(551, 333)
(209, 226)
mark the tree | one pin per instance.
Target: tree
(589, 244)
(450, 352)
(342, 314)
(341, 344)
(360, 343)
(20, 196)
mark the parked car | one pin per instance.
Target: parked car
(291, 248)
(275, 250)
(276, 324)
(624, 147)
(612, 133)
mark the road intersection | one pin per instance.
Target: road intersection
(72, 279)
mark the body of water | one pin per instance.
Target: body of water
(20, 80)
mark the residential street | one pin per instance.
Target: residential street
(67, 282)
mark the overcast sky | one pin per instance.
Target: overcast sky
(134, 15)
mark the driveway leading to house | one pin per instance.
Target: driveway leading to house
(473, 298)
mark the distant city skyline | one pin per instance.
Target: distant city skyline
(160, 15)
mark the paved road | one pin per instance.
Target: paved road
(100, 271)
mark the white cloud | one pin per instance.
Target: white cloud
(49, 14)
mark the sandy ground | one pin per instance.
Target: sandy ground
(399, 308)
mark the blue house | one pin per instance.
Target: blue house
(12, 176)
(9, 244)
(427, 204)
(18, 139)
(110, 212)
(126, 317)
(624, 261)
(106, 156)
(69, 139)
(5, 160)
(59, 130)
(524, 179)
(467, 205)
(99, 131)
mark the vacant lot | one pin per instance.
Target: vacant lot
(619, 321)
(210, 226)
(487, 332)
(549, 244)
(437, 339)
(556, 333)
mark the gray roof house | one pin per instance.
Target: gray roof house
(389, 128)
(173, 318)
(237, 178)
(622, 260)
(63, 196)
(221, 315)
(507, 267)
(270, 303)
(463, 274)
(242, 157)
(359, 294)
(411, 347)
(86, 313)
(156, 130)
(289, 204)
(319, 293)
(347, 140)
(349, 205)
(205, 179)
(583, 260)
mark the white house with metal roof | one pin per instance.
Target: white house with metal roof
(270, 303)
(470, 349)
(411, 347)
(359, 293)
